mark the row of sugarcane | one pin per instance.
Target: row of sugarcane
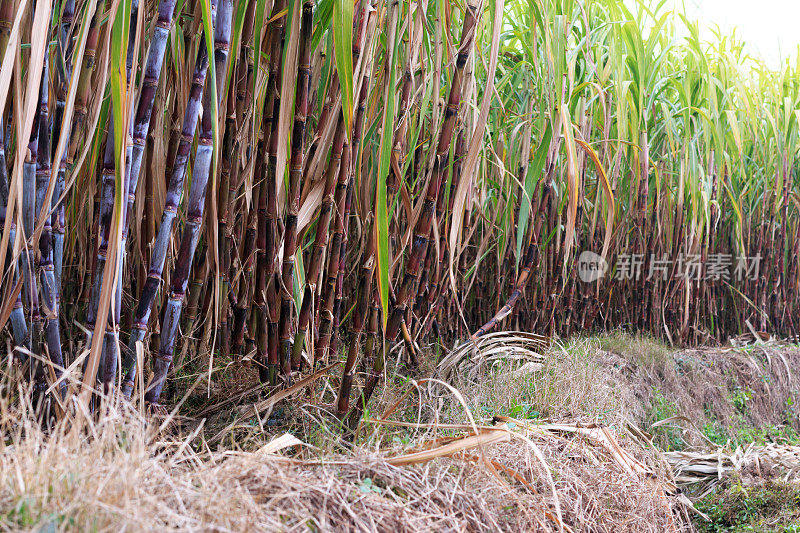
(292, 184)
(255, 249)
(680, 168)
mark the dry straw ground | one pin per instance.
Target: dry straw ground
(114, 477)
(556, 445)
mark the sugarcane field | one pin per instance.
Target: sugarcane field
(400, 266)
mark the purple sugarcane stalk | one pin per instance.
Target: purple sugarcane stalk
(30, 198)
(293, 197)
(194, 217)
(46, 275)
(110, 349)
(58, 216)
(108, 180)
(328, 308)
(180, 276)
(174, 190)
(320, 242)
(18, 325)
(269, 281)
(139, 128)
(30, 295)
(422, 228)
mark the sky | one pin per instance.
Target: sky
(768, 27)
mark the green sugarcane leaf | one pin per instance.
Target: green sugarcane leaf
(384, 164)
(533, 176)
(236, 43)
(299, 281)
(323, 15)
(343, 50)
(119, 98)
(212, 86)
(119, 47)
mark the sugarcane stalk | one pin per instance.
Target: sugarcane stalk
(370, 364)
(179, 279)
(46, 274)
(194, 219)
(30, 293)
(293, 197)
(108, 180)
(173, 195)
(339, 289)
(320, 242)
(144, 106)
(180, 276)
(356, 327)
(200, 272)
(259, 314)
(423, 226)
(58, 217)
(19, 326)
(343, 188)
(246, 261)
(266, 287)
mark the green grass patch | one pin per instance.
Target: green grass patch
(771, 507)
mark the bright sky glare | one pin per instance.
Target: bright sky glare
(768, 27)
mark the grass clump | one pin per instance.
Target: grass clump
(668, 437)
(641, 348)
(571, 383)
(770, 507)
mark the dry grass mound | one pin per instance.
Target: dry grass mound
(122, 473)
(118, 475)
(728, 395)
(686, 398)
(538, 439)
